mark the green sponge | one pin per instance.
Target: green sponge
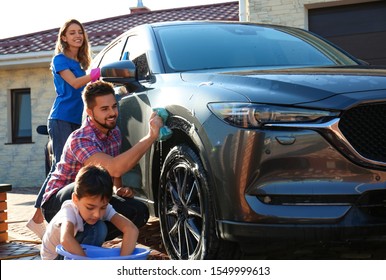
(165, 132)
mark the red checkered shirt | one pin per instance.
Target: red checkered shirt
(80, 145)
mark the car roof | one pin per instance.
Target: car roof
(149, 26)
(170, 23)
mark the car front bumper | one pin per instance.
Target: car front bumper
(354, 225)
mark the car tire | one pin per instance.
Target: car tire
(186, 209)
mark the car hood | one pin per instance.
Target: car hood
(298, 85)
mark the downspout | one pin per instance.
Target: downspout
(243, 11)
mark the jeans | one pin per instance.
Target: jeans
(59, 132)
(92, 234)
(133, 209)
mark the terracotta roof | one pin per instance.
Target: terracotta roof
(101, 32)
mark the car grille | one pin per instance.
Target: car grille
(365, 129)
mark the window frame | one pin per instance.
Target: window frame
(18, 116)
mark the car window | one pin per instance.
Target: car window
(134, 51)
(198, 47)
(112, 54)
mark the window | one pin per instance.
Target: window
(113, 54)
(21, 116)
(134, 50)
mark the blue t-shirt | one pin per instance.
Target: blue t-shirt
(68, 104)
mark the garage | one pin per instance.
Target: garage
(359, 29)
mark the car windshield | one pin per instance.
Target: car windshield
(213, 46)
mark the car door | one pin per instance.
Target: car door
(134, 106)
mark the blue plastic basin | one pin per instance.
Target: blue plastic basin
(100, 253)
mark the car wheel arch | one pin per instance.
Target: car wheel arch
(183, 133)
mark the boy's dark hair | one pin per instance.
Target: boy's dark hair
(93, 180)
(92, 90)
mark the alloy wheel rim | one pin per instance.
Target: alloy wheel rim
(183, 213)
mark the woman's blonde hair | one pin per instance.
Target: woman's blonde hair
(84, 54)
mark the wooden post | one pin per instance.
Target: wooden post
(4, 188)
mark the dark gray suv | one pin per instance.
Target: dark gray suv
(277, 135)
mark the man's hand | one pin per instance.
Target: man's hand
(125, 192)
(155, 123)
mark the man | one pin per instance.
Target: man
(98, 142)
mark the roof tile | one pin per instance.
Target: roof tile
(101, 32)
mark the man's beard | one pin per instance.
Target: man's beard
(104, 125)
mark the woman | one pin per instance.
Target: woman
(72, 59)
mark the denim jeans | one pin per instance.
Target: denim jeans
(92, 234)
(59, 132)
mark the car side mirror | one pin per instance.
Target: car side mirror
(120, 72)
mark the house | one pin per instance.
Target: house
(26, 87)
(27, 90)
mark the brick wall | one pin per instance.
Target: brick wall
(22, 165)
(287, 12)
(4, 188)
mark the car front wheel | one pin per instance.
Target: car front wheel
(185, 208)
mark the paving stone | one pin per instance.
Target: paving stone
(24, 244)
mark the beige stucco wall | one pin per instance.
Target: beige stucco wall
(289, 12)
(22, 165)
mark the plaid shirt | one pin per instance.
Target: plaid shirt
(81, 145)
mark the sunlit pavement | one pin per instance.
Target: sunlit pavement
(23, 244)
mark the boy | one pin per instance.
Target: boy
(81, 219)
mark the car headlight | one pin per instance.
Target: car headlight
(249, 115)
